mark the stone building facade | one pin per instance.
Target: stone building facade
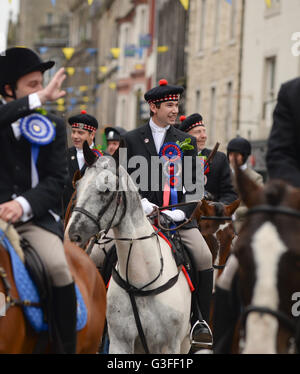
(213, 66)
(271, 56)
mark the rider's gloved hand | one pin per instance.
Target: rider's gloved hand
(147, 206)
(176, 215)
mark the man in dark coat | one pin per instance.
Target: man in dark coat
(218, 177)
(150, 141)
(283, 156)
(32, 168)
(84, 127)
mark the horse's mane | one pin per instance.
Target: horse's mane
(275, 192)
(13, 237)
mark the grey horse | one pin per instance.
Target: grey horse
(138, 319)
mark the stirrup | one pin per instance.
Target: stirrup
(195, 344)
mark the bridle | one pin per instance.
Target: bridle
(132, 291)
(119, 196)
(292, 324)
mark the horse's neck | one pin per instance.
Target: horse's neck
(140, 260)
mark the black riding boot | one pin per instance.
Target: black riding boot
(65, 312)
(201, 336)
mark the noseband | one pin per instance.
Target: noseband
(117, 195)
(292, 324)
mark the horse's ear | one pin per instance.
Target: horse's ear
(231, 208)
(116, 154)
(89, 155)
(249, 191)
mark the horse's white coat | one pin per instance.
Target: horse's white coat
(165, 317)
(261, 330)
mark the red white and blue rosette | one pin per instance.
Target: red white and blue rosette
(171, 154)
(97, 152)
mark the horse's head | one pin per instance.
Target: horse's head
(213, 209)
(268, 253)
(101, 199)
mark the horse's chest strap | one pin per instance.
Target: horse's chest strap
(140, 292)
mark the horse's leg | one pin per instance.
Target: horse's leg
(93, 291)
(117, 346)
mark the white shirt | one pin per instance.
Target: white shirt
(80, 158)
(158, 133)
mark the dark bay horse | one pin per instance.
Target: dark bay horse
(218, 235)
(217, 232)
(268, 254)
(17, 336)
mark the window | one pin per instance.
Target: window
(212, 119)
(49, 18)
(228, 118)
(202, 25)
(126, 48)
(269, 98)
(197, 101)
(217, 23)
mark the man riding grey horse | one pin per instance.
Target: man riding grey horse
(148, 141)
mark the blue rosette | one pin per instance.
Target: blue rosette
(38, 130)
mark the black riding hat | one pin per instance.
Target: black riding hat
(240, 145)
(17, 62)
(114, 133)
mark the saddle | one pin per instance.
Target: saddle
(35, 291)
(39, 274)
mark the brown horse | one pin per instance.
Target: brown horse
(217, 233)
(268, 254)
(17, 336)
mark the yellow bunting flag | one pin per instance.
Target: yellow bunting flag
(86, 99)
(115, 52)
(60, 108)
(139, 67)
(83, 88)
(268, 3)
(60, 101)
(10, 1)
(112, 85)
(103, 69)
(162, 48)
(70, 70)
(185, 4)
(68, 52)
(90, 2)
